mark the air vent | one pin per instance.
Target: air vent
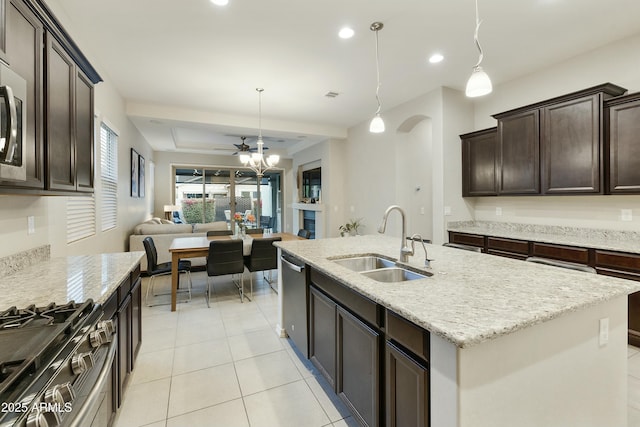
(331, 94)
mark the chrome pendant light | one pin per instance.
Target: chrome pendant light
(479, 83)
(256, 161)
(377, 124)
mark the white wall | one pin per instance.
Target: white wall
(420, 148)
(618, 63)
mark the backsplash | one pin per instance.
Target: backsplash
(16, 262)
(586, 233)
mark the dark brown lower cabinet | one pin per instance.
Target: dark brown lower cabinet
(358, 368)
(322, 334)
(509, 248)
(407, 389)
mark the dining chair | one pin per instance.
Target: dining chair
(219, 233)
(305, 234)
(154, 269)
(263, 257)
(225, 257)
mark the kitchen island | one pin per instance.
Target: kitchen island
(510, 343)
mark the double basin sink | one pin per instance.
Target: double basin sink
(380, 268)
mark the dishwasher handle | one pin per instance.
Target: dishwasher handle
(292, 266)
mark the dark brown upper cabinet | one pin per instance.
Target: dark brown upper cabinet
(479, 163)
(622, 116)
(555, 146)
(59, 148)
(519, 153)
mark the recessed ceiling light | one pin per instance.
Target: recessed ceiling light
(346, 33)
(220, 2)
(435, 58)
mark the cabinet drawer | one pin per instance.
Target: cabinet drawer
(358, 304)
(467, 239)
(563, 253)
(508, 245)
(411, 336)
(618, 260)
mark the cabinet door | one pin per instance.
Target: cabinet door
(407, 389)
(84, 133)
(624, 147)
(519, 153)
(60, 123)
(322, 334)
(25, 55)
(479, 164)
(124, 347)
(136, 320)
(571, 145)
(358, 368)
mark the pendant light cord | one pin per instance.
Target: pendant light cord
(377, 73)
(475, 37)
(260, 118)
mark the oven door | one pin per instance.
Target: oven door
(96, 407)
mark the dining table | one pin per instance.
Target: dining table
(198, 246)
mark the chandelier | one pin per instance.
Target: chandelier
(256, 161)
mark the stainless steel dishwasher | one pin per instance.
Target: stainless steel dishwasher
(295, 300)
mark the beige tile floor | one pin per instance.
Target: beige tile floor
(225, 366)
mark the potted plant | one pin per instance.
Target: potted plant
(351, 228)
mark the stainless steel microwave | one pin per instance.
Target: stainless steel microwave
(13, 125)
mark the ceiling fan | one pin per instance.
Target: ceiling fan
(245, 148)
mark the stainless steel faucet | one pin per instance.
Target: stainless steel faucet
(405, 250)
(427, 261)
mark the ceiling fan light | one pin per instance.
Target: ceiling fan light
(376, 125)
(478, 84)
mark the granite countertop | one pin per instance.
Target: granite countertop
(471, 297)
(61, 280)
(614, 240)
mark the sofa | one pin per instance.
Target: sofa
(163, 232)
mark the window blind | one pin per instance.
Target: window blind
(108, 177)
(81, 218)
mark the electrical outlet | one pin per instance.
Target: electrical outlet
(626, 215)
(421, 210)
(447, 210)
(603, 337)
(498, 211)
(352, 208)
(31, 224)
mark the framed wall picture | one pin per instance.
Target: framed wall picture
(134, 172)
(141, 177)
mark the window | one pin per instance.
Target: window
(81, 218)
(109, 177)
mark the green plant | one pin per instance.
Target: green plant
(192, 210)
(351, 228)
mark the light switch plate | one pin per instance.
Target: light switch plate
(603, 336)
(447, 210)
(31, 224)
(626, 215)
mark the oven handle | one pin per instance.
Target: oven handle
(103, 377)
